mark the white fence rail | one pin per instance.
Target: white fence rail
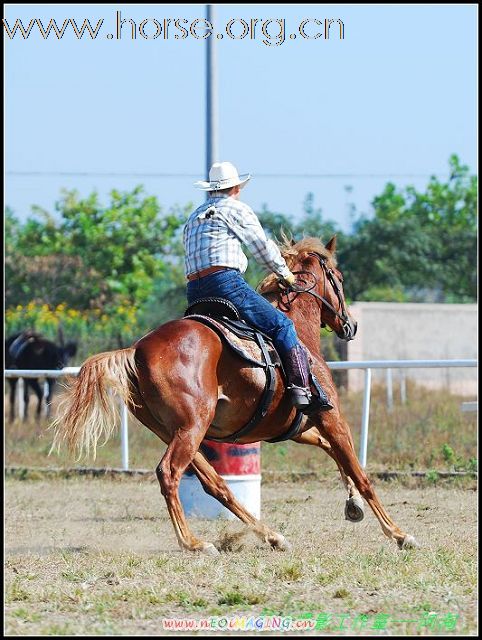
(367, 365)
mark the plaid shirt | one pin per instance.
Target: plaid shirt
(214, 233)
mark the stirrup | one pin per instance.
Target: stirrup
(306, 402)
(318, 404)
(300, 396)
(319, 399)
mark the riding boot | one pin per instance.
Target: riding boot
(297, 370)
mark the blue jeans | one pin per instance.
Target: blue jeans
(252, 307)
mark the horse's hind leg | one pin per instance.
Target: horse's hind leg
(354, 507)
(214, 485)
(180, 452)
(188, 418)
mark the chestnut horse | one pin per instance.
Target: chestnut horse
(184, 384)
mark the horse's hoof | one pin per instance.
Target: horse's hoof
(280, 543)
(354, 509)
(209, 549)
(408, 542)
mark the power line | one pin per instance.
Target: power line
(120, 174)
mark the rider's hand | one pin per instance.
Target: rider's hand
(291, 279)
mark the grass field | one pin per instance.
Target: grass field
(99, 557)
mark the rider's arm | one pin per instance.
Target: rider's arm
(245, 225)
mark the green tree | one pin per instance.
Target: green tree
(14, 272)
(112, 253)
(167, 299)
(418, 245)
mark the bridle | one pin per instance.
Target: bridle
(341, 313)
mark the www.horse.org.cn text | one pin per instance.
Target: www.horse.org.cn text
(271, 32)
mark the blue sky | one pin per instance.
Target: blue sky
(396, 97)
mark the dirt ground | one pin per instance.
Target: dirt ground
(99, 557)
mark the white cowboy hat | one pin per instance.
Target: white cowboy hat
(223, 175)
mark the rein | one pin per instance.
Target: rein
(343, 316)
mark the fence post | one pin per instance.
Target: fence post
(21, 398)
(44, 399)
(124, 435)
(389, 390)
(403, 387)
(365, 417)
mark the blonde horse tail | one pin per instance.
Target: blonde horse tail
(87, 412)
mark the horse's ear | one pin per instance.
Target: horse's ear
(331, 245)
(60, 334)
(287, 238)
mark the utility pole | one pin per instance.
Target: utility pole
(211, 96)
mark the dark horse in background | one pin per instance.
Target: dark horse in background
(185, 384)
(30, 350)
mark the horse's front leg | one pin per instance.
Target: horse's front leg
(13, 389)
(25, 398)
(34, 383)
(336, 431)
(354, 507)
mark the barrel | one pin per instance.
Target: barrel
(240, 467)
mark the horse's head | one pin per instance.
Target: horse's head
(65, 350)
(61, 353)
(314, 264)
(320, 277)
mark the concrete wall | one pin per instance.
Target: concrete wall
(398, 331)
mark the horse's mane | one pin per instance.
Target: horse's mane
(293, 253)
